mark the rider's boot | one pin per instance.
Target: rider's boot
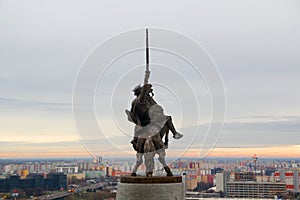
(168, 171)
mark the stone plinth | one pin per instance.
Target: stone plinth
(150, 188)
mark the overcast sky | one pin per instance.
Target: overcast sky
(254, 44)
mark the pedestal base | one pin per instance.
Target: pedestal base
(150, 188)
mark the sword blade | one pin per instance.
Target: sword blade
(147, 72)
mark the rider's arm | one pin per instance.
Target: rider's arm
(144, 92)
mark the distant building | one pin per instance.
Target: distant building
(84, 166)
(191, 182)
(216, 170)
(53, 181)
(94, 174)
(109, 171)
(221, 181)
(208, 178)
(260, 178)
(290, 177)
(98, 160)
(120, 173)
(80, 176)
(247, 185)
(24, 173)
(251, 189)
(67, 169)
(269, 171)
(56, 181)
(244, 176)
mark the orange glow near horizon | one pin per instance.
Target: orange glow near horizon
(292, 151)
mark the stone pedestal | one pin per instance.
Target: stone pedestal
(150, 188)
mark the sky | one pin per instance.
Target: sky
(254, 44)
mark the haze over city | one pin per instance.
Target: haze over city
(254, 44)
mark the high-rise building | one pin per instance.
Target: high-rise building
(56, 181)
(290, 177)
(221, 181)
(67, 169)
(244, 176)
(53, 181)
(251, 189)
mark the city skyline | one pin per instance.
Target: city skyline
(254, 44)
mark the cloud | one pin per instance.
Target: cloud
(261, 132)
(17, 104)
(42, 47)
(244, 132)
(24, 147)
(283, 124)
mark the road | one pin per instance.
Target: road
(64, 194)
